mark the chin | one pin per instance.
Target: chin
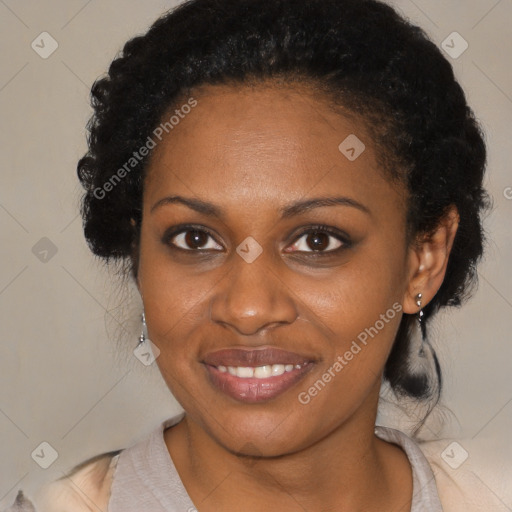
(257, 431)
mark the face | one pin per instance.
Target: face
(274, 314)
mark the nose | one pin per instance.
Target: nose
(253, 297)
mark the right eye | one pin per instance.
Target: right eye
(191, 239)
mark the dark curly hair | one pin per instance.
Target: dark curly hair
(363, 56)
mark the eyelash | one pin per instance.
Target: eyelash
(319, 228)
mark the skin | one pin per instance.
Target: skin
(251, 151)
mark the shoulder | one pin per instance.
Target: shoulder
(85, 488)
(470, 475)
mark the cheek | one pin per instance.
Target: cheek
(359, 307)
(362, 319)
(173, 296)
(174, 306)
(355, 296)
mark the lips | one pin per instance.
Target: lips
(254, 357)
(239, 382)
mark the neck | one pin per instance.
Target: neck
(348, 469)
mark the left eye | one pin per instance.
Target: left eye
(318, 241)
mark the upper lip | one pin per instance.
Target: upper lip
(254, 357)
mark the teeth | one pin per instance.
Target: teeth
(244, 372)
(259, 372)
(277, 369)
(263, 372)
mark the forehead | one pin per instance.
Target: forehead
(263, 144)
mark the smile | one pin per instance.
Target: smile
(255, 375)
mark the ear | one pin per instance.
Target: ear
(427, 261)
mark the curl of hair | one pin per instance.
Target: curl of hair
(362, 54)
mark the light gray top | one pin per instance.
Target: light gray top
(146, 479)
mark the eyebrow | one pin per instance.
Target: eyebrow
(290, 210)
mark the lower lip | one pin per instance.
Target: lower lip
(252, 390)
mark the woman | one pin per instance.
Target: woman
(296, 189)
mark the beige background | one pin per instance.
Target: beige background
(63, 377)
